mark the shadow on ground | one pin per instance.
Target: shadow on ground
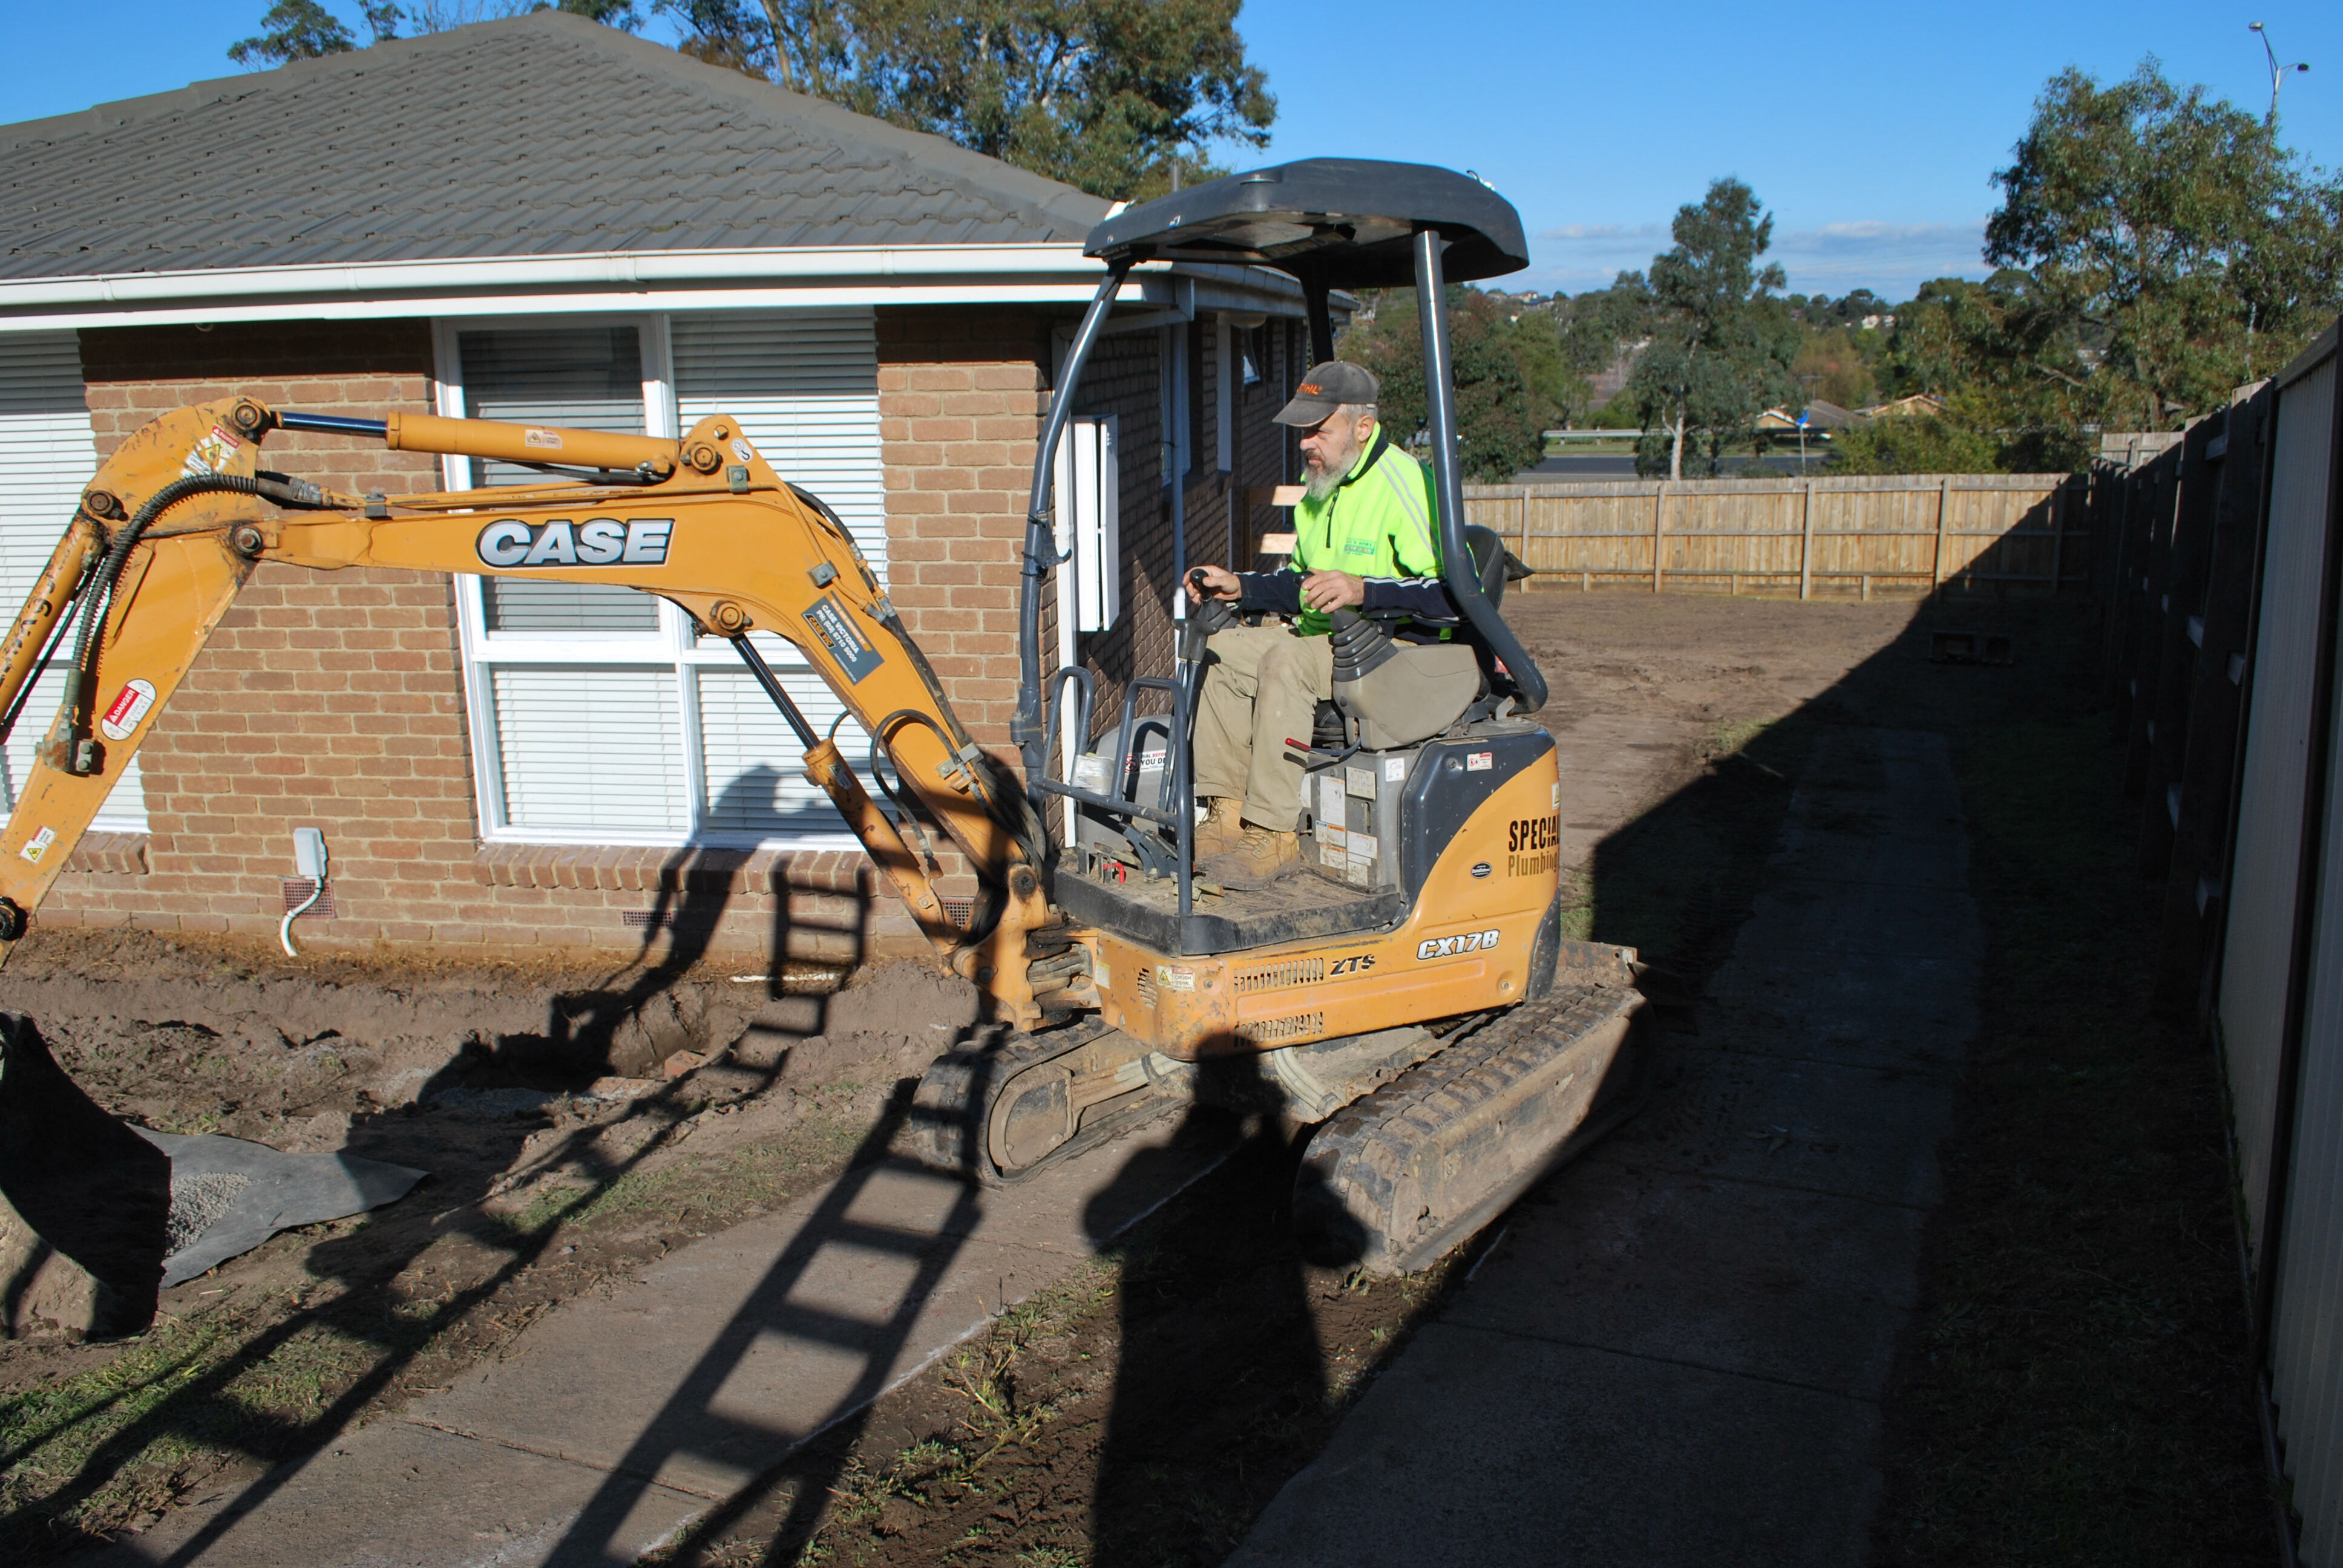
(1149, 1415)
(362, 1316)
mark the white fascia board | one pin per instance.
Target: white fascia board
(539, 286)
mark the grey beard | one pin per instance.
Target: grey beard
(1322, 484)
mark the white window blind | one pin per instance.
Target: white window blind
(804, 387)
(587, 751)
(47, 454)
(1088, 487)
(599, 718)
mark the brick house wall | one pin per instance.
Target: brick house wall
(336, 700)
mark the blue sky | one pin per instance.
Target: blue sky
(1872, 132)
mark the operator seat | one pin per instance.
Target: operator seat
(1399, 693)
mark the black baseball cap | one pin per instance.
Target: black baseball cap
(1325, 388)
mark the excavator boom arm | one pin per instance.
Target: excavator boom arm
(175, 522)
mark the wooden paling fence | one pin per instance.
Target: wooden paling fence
(1899, 533)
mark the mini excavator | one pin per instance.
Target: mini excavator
(1408, 995)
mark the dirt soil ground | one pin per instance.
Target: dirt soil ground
(1142, 1414)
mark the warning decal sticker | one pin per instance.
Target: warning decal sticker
(39, 844)
(130, 705)
(211, 453)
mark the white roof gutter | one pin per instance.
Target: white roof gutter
(797, 276)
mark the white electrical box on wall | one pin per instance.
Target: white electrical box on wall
(1090, 515)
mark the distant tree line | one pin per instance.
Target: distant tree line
(2155, 247)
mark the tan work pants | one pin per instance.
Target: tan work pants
(1262, 692)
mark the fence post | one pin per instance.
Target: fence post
(1659, 530)
(1936, 570)
(1806, 544)
(1525, 524)
(2057, 534)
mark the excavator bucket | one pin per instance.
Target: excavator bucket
(84, 1204)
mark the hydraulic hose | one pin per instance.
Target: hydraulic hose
(98, 593)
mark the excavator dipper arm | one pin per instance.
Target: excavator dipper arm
(175, 522)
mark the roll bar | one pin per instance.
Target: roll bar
(1448, 478)
(1330, 223)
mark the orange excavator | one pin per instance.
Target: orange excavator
(1409, 994)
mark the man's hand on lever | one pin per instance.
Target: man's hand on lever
(1329, 591)
(1212, 582)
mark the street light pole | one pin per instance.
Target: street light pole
(2277, 72)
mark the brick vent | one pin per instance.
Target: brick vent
(110, 855)
(296, 893)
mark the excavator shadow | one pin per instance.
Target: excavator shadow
(352, 1290)
(818, 1327)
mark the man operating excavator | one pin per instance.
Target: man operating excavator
(1365, 539)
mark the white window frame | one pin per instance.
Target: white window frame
(673, 646)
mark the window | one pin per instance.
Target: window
(47, 454)
(598, 717)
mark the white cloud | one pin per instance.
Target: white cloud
(1891, 258)
(1600, 234)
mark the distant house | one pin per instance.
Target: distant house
(545, 219)
(1819, 416)
(1919, 403)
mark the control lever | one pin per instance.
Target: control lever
(1205, 616)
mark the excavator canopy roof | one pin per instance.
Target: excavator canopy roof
(1339, 223)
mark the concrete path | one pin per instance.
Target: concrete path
(616, 1420)
(1675, 1353)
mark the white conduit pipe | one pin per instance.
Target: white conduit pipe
(284, 927)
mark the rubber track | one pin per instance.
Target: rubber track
(940, 1124)
(1358, 1160)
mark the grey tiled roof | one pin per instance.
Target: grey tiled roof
(545, 135)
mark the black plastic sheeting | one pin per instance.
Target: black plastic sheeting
(233, 1195)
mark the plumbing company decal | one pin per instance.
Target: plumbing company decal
(130, 705)
(839, 634)
(598, 542)
(1449, 947)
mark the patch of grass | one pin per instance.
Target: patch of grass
(2076, 1390)
(92, 1454)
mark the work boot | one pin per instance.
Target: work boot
(1221, 829)
(1261, 858)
